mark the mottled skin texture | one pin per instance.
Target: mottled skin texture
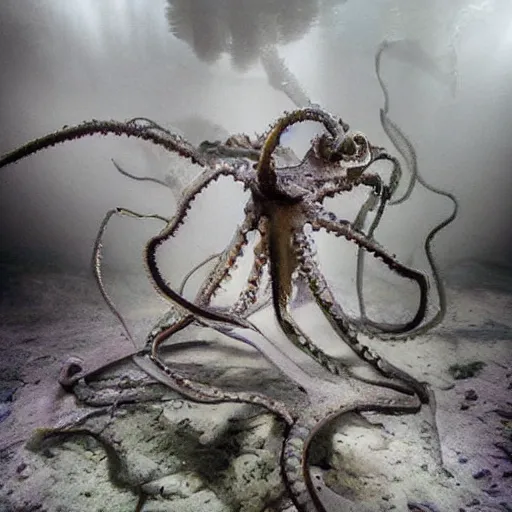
(283, 202)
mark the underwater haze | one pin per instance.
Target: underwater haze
(285, 377)
(195, 66)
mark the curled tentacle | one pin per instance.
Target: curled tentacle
(295, 452)
(151, 247)
(341, 324)
(71, 372)
(406, 149)
(175, 317)
(265, 170)
(346, 184)
(400, 140)
(97, 257)
(328, 221)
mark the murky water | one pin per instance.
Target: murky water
(201, 68)
(195, 66)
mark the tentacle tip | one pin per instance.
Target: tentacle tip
(72, 370)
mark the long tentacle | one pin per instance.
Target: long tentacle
(370, 327)
(140, 178)
(193, 270)
(337, 318)
(169, 141)
(346, 184)
(151, 247)
(327, 220)
(408, 153)
(167, 324)
(206, 393)
(149, 360)
(296, 448)
(281, 271)
(175, 321)
(98, 254)
(227, 259)
(248, 295)
(406, 149)
(384, 195)
(380, 194)
(396, 134)
(282, 266)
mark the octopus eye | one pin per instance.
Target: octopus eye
(359, 140)
(348, 146)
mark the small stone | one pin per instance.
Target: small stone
(182, 485)
(23, 471)
(464, 407)
(422, 507)
(6, 395)
(447, 473)
(463, 460)
(477, 475)
(470, 394)
(507, 474)
(21, 468)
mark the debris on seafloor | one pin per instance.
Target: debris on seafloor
(467, 370)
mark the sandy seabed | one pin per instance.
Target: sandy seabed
(196, 457)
